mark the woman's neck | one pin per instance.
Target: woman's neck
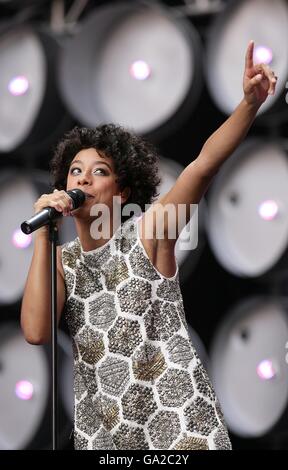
(94, 234)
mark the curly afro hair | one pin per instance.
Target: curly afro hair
(135, 160)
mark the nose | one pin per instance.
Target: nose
(84, 179)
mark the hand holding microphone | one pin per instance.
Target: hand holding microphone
(52, 206)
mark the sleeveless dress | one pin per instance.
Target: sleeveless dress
(138, 381)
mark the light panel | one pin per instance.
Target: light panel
(18, 193)
(141, 66)
(23, 366)
(22, 62)
(266, 23)
(25, 383)
(248, 365)
(247, 221)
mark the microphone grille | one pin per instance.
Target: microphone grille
(77, 196)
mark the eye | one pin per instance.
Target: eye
(101, 170)
(73, 171)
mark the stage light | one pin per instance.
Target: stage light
(18, 193)
(21, 417)
(140, 70)
(25, 399)
(263, 55)
(144, 74)
(268, 210)
(24, 390)
(18, 86)
(20, 240)
(266, 370)
(263, 21)
(248, 367)
(31, 110)
(247, 222)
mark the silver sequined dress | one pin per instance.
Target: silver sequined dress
(138, 381)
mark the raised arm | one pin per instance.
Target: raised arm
(259, 81)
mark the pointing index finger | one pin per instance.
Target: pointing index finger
(249, 55)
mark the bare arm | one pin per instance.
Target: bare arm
(258, 82)
(196, 177)
(36, 304)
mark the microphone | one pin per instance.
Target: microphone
(48, 214)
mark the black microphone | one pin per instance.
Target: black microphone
(48, 214)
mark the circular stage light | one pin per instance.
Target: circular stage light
(31, 109)
(141, 68)
(18, 193)
(18, 86)
(25, 399)
(263, 55)
(249, 369)
(247, 222)
(24, 370)
(266, 23)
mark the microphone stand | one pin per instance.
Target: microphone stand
(53, 238)
(27, 227)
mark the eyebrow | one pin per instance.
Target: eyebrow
(94, 163)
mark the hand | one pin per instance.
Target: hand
(259, 80)
(58, 199)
